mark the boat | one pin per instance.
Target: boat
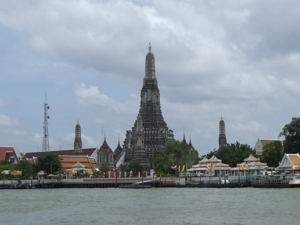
(135, 185)
(210, 182)
(280, 182)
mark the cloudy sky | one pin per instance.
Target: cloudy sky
(236, 59)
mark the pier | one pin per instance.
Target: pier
(159, 182)
(88, 183)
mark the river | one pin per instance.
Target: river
(185, 206)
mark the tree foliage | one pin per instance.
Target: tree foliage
(134, 166)
(178, 151)
(26, 168)
(273, 153)
(49, 163)
(162, 161)
(291, 132)
(4, 163)
(232, 154)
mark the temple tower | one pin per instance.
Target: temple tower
(77, 141)
(222, 134)
(156, 132)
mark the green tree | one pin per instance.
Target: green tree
(178, 151)
(134, 166)
(291, 132)
(49, 163)
(26, 168)
(232, 154)
(162, 161)
(273, 153)
(4, 163)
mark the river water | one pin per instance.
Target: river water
(149, 206)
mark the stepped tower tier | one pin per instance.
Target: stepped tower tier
(139, 154)
(155, 129)
(222, 134)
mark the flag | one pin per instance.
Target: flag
(174, 167)
(182, 169)
(16, 172)
(179, 168)
(246, 167)
(207, 167)
(213, 168)
(72, 172)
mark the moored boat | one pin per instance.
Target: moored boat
(135, 186)
(283, 182)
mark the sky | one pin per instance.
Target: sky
(239, 60)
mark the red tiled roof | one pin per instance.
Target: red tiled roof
(85, 151)
(6, 152)
(265, 142)
(67, 162)
(295, 159)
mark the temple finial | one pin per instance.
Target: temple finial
(149, 46)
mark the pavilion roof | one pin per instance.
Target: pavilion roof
(213, 159)
(203, 160)
(251, 158)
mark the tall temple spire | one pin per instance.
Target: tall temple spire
(46, 146)
(155, 130)
(77, 141)
(222, 134)
(150, 64)
(183, 140)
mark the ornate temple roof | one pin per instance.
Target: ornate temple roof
(105, 147)
(69, 162)
(251, 158)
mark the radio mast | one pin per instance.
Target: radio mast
(45, 127)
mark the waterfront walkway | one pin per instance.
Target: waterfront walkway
(88, 183)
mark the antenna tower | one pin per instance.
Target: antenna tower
(45, 127)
